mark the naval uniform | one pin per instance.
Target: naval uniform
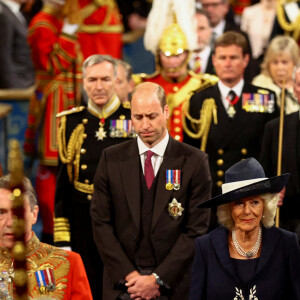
(83, 134)
(233, 138)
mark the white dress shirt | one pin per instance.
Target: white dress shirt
(158, 150)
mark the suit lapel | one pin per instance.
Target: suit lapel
(130, 174)
(171, 161)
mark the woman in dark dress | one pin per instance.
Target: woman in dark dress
(246, 257)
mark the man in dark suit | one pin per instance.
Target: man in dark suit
(238, 133)
(289, 211)
(144, 209)
(16, 70)
(200, 60)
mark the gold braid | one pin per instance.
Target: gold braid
(70, 154)
(201, 125)
(286, 26)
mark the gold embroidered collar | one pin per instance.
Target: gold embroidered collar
(107, 110)
(32, 246)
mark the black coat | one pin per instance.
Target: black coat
(276, 277)
(116, 214)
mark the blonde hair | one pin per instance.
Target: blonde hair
(280, 44)
(269, 211)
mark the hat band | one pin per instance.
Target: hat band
(230, 186)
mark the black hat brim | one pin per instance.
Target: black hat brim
(270, 185)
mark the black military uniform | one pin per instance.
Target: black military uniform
(233, 138)
(83, 135)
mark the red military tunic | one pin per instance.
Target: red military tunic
(102, 28)
(57, 62)
(177, 94)
(70, 278)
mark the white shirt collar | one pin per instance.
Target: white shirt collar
(224, 90)
(159, 149)
(12, 5)
(219, 29)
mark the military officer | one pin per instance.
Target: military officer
(84, 132)
(241, 110)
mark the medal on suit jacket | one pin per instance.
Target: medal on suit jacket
(176, 174)
(45, 280)
(261, 102)
(175, 209)
(169, 180)
(100, 133)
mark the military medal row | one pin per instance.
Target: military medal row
(173, 179)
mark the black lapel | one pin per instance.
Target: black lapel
(130, 173)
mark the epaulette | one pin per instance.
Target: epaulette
(126, 104)
(71, 111)
(140, 77)
(213, 79)
(263, 91)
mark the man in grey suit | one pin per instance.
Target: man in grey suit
(144, 209)
(16, 70)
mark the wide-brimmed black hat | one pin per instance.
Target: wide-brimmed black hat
(246, 178)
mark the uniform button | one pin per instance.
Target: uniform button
(177, 137)
(87, 181)
(175, 88)
(82, 151)
(244, 151)
(220, 173)
(177, 129)
(176, 121)
(220, 151)
(89, 197)
(220, 162)
(176, 112)
(83, 167)
(219, 183)
(84, 135)
(85, 121)
(122, 117)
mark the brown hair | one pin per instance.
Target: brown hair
(230, 38)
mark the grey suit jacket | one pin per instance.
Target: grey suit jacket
(115, 211)
(16, 71)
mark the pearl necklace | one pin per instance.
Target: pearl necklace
(253, 252)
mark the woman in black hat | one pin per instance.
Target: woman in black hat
(246, 257)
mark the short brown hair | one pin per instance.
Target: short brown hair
(230, 38)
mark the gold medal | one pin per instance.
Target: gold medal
(169, 186)
(175, 209)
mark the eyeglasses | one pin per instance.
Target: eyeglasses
(213, 4)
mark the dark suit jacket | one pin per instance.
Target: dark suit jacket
(116, 205)
(290, 159)
(232, 139)
(16, 69)
(277, 275)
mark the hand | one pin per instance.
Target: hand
(69, 28)
(281, 196)
(143, 287)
